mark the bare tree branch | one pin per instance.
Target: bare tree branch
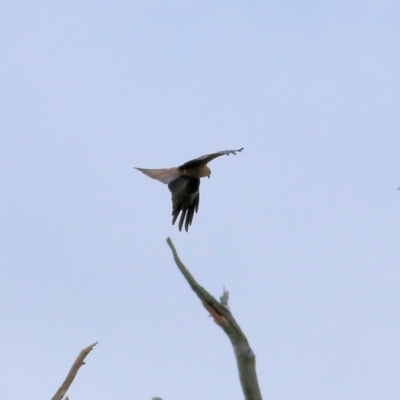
(246, 360)
(224, 298)
(72, 372)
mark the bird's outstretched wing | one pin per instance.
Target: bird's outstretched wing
(203, 160)
(165, 175)
(185, 200)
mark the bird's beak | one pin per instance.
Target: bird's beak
(208, 176)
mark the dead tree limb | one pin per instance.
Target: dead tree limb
(246, 360)
(72, 372)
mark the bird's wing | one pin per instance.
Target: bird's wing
(165, 175)
(203, 160)
(185, 200)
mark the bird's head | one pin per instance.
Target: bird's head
(203, 171)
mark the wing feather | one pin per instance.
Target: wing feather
(165, 175)
(185, 200)
(203, 160)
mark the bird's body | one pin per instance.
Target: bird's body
(184, 184)
(197, 172)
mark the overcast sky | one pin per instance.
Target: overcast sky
(302, 227)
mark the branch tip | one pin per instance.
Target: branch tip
(72, 372)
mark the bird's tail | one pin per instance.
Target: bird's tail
(165, 175)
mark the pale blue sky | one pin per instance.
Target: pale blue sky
(303, 227)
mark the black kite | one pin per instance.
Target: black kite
(184, 184)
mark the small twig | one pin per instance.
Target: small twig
(224, 298)
(72, 372)
(246, 360)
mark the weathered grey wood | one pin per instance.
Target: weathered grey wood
(72, 372)
(246, 360)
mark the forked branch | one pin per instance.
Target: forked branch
(246, 360)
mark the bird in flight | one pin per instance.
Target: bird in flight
(184, 184)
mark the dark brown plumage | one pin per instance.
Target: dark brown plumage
(184, 184)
